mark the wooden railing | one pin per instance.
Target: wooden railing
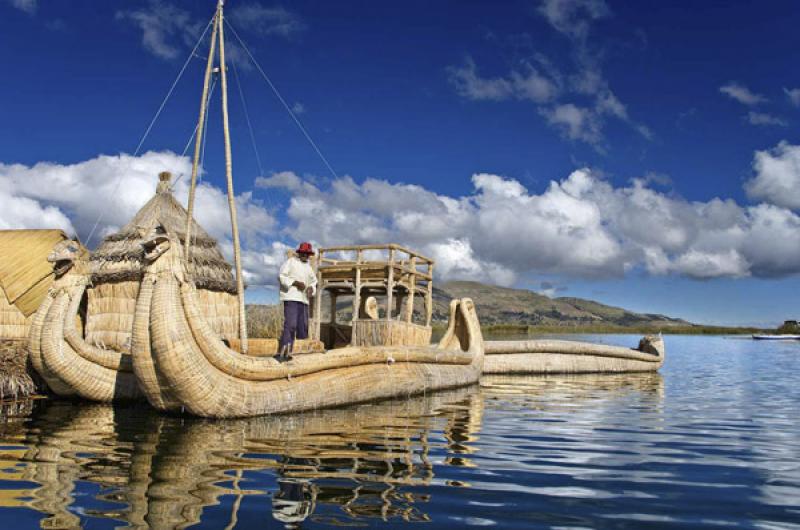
(395, 265)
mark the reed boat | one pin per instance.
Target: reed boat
(776, 337)
(58, 351)
(180, 361)
(184, 358)
(545, 356)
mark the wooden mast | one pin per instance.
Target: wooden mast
(198, 140)
(237, 251)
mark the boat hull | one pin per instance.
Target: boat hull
(571, 357)
(776, 337)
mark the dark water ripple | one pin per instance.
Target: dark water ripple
(711, 442)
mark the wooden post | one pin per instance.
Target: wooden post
(356, 295)
(390, 285)
(399, 303)
(199, 137)
(429, 297)
(237, 251)
(333, 308)
(318, 298)
(412, 284)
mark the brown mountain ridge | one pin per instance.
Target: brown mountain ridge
(504, 305)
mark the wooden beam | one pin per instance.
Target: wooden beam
(429, 298)
(318, 300)
(390, 285)
(357, 292)
(412, 281)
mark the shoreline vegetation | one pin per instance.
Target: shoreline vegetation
(599, 329)
(266, 321)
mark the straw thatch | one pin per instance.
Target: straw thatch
(571, 357)
(15, 381)
(208, 379)
(25, 277)
(117, 270)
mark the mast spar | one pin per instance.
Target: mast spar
(219, 33)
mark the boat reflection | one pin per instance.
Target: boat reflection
(550, 388)
(74, 462)
(79, 461)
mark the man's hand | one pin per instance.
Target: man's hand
(300, 285)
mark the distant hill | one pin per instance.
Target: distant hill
(521, 307)
(503, 305)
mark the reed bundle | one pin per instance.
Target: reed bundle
(15, 381)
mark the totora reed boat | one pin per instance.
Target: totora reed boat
(186, 360)
(545, 356)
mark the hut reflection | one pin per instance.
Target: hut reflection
(79, 461)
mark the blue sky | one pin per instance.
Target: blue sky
(640, 155)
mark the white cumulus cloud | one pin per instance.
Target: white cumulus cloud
(113, 188)
(777, 176)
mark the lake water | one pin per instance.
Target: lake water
(711, 441)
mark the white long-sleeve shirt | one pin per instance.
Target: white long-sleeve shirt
(294, 270)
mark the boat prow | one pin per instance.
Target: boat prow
(68, 364)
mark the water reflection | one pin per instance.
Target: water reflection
(706, 444)
(80, 461)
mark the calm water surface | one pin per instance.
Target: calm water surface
(711, 441)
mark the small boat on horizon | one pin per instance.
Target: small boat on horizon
(783, 336)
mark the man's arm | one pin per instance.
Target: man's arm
(285, 279)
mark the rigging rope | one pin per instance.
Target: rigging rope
(247, 119)
(149, 128)
(283, 101)
(194, 133)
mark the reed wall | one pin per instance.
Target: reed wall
(13, 324)
(111, 308)
(389, 333)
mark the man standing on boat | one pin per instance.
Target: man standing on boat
(298, 284)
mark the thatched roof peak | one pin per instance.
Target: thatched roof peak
(119, 256)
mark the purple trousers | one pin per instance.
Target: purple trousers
(295, 323)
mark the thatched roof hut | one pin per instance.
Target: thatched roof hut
(117, 268)
(25, 277)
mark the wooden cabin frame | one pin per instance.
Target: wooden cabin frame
(399, 275)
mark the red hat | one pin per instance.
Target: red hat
(305, 248)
